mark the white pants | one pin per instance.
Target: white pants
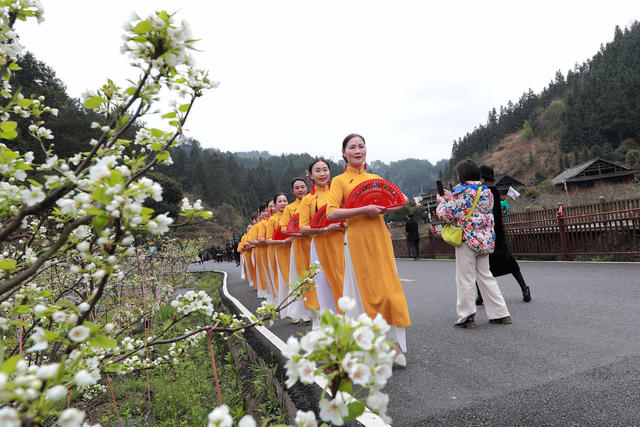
(472, 267)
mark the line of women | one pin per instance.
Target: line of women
(354, 251)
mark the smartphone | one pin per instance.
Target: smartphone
(440, 187)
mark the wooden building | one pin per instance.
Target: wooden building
(504, 181)
(589, 174)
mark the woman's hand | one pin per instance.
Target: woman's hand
(335, 226)
(288, 240)
(373, 211)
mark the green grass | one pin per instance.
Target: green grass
(184, 394)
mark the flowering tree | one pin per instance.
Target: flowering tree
(73, 284)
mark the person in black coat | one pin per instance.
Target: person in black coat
(413, 236)
(501, 261)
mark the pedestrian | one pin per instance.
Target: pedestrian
(370, 276)
(501, 261)
(470, 198)
(413, 236)
(327, 244)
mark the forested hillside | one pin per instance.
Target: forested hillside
(592, 111)
(244, 181)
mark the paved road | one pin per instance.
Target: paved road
(571, 356)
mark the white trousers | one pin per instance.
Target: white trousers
(471, 267)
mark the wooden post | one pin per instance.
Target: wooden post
(527, 212)
(564, 245)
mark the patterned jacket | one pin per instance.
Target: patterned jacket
(478, 232)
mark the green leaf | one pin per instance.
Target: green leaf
(184, 107)
(143, 27)
(10, 364)
(93, 102)
(7, 126)
(24, 102)
(130, 90)
(102, 341)
(34, 182)
(355, 410)
(156, 132)
(11, 134)
(170, 115)
(8, 264)
(14, 67)
(345, 385)
(22, 309)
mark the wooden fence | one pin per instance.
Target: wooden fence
(564, 234)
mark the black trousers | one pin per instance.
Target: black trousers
(414, 246)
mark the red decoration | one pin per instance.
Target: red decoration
(278, 235)
(313, 189)
(320, 219)
(293, 227)
(365, 165)
(375, 192)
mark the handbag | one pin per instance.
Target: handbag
(452, 234)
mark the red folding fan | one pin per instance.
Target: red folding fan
(375, 192)
(278, 234)
(320, 219)
(293, 227)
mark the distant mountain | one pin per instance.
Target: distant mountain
(592, 112)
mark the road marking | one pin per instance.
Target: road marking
(407, 280)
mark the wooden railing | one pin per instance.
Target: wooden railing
(563, 236)
(602, 206)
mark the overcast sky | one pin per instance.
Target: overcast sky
(297, 76)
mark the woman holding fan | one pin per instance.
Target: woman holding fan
(300, 256)
(327, 244)
(370, 276)
(281, 249)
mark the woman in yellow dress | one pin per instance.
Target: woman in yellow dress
(244, 273)
(260, 251)
(371, 277)
(281, 251)
(252, 236)
(300, 257)
(327, 244)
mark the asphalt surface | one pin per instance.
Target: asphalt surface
(571, 356)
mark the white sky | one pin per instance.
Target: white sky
(297, 76)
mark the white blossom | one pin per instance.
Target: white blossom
(71, 417)
(55, 393)
(78, 333)
(46, 372)
(220, 417)
(334, 410)
(9, 417)
(39, 340)
(306, 419)
(363, 337)
(346, 304)
(247, 421)
(84, 378)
